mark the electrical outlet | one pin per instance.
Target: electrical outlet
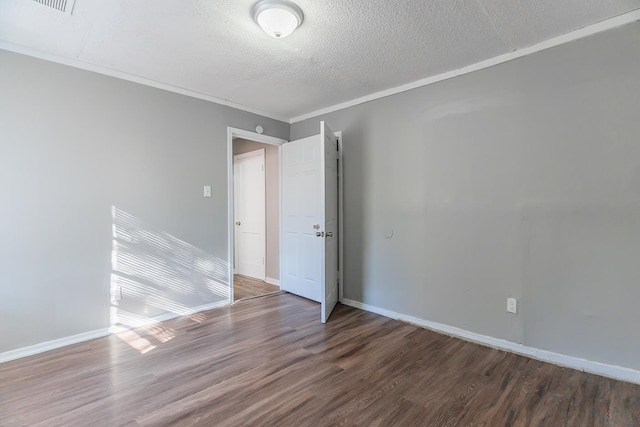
(512, 305)
(116, 293)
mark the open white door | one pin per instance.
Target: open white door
(330, 190)
(310, 219)
(302, 263)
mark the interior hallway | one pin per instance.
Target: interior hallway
(247, 287)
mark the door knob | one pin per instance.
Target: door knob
(320, 234)
(237, 222)
(329, 234)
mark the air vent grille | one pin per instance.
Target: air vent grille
(65, 6)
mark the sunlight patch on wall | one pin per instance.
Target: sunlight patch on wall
(154, 273)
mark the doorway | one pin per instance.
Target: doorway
(249, 195)
(256, 217)
(310, 217)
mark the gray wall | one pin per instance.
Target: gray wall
(518, 180)
(101, 180)
(272, 182)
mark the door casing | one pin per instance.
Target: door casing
(265, 139)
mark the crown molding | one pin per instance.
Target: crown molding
(76, 63)
(589, 30)
(608, 24)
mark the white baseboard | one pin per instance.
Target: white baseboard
(192, 310)
(272, 281)
(210, 306)
(603, 369)
(98, 333)
(52, 345)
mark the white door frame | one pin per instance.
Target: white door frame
(252, 136)
(340, 218)
(265, 139)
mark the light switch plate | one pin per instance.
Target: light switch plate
(207, 191)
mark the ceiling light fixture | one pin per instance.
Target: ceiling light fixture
(278, 18)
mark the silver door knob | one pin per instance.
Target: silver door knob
(320, 234)
(237, 222)
(329, 234)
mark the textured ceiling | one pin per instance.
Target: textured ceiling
(345, 49)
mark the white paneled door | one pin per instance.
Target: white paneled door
(249, 214)
(310, 219)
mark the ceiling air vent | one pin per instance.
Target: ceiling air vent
(65, 6)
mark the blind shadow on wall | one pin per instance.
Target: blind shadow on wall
(153, 274)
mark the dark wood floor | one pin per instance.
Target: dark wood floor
(247, 287)
(269, 361)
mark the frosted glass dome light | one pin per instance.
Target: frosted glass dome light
(278, 18)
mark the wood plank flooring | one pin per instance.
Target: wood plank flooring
(247, 287)
(270, 362)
